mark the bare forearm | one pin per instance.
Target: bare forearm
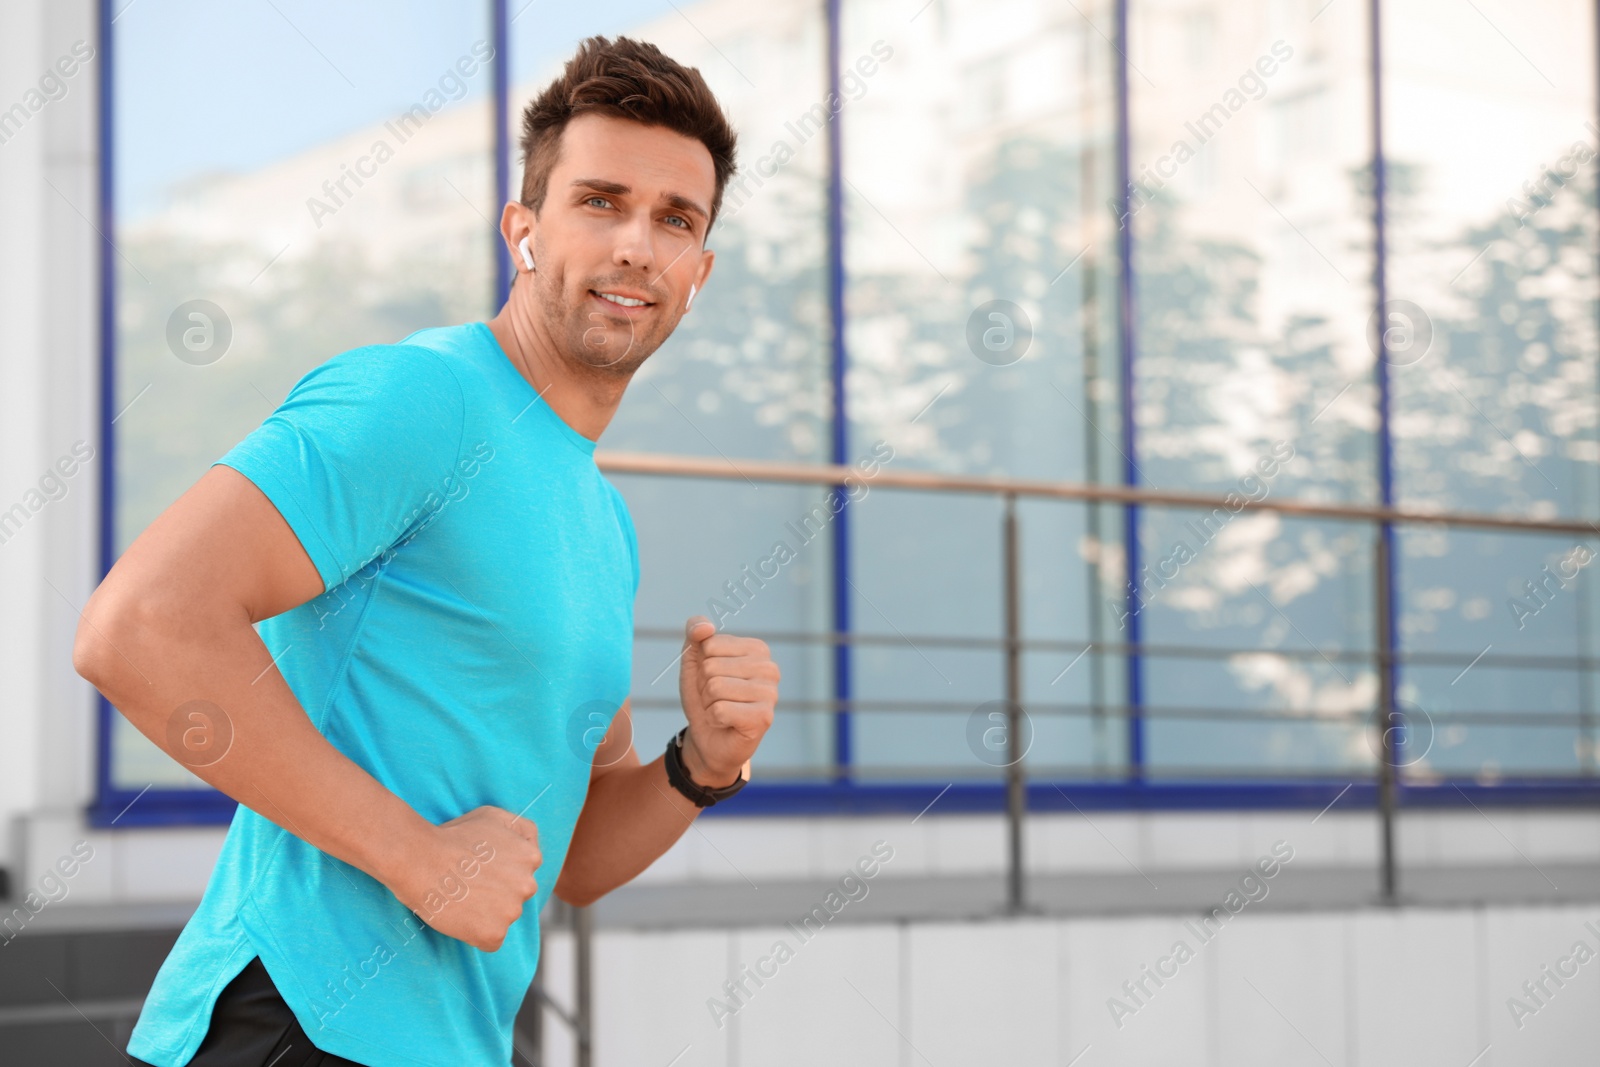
(633, 814)
(208, 695)
(631, 817)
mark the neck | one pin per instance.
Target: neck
(585, 398)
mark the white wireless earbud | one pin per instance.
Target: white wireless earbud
(689, 302)
(527, 256)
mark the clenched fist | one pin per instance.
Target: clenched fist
(729, 689)
(473, 876)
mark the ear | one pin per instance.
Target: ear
(707, 259)
(517, 223)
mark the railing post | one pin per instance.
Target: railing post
(535, 1029)
(583, 978)
(1016, 786)
(1389, 736)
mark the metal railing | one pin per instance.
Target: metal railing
(528, 1042)
(1383, 658)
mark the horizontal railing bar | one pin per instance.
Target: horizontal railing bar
(50, 1012)
(1147, 711)
(831, 474)
(1149, 651)
(1067, 775)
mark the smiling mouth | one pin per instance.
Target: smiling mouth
(630, 303)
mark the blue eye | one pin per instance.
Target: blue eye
(680, 220)
(602, 201)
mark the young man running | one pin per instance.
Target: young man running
(436, 706)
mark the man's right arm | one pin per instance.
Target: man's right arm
(172, 623)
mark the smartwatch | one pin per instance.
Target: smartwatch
(702, 796)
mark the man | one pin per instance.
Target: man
(444, 583)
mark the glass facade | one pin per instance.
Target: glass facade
(1116, 243)
(1492, 128)
(1252, 374)
(323, 185)
(981, 335)
(744, 377)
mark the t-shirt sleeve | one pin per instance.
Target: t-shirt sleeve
(356, 451)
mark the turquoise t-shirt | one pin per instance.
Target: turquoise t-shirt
(473, 640)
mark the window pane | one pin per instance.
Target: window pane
(1491, 137)
(1271, 616)
(1252, 262)
(744, 375)
(981, 336)
(292, 180)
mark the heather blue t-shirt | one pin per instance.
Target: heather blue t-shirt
(473, 640)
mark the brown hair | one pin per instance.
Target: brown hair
(632, 80)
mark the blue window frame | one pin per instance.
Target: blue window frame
(1133, 280)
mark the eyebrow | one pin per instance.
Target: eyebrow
(677, 200)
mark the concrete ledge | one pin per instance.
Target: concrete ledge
(959, 898)
(155, 865)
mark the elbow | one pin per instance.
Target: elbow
(90, 646)
(105, 637)
(575, 895)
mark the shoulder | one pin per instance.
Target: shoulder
(400, 399)
(389, 366)
(405, 379)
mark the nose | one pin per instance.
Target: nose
(633, 248)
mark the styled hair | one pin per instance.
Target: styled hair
(632, 80)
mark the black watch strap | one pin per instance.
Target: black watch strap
(702, 796)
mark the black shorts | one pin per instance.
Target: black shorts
(251, 1026)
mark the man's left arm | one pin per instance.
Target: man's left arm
(729, 689)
